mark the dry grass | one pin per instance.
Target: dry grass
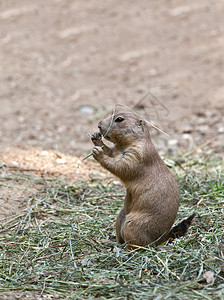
(57, 246)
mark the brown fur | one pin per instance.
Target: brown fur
(152, 197)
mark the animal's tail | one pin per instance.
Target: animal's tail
(177, 231)
(181, 228)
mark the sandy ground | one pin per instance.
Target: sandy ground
(64, 64)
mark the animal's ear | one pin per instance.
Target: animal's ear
(145, 128)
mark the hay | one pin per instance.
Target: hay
(57, 246)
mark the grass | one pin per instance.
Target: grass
(57, 246)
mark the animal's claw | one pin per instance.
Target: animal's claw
(98, 153)
(96, 138)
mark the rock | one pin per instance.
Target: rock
(86, 110)
(220, 129)
(61, 161)
(44, 153)
(13, 164)
(187, 129)
(209, 277)
(200, 113)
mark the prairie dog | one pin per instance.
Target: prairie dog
(152, 193)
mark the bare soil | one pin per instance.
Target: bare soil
(64, 64)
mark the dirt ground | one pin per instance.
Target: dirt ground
(64, 64)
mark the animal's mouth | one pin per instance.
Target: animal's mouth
(104, 133)
(106, 137)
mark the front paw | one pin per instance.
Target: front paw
(96, 138)
(98, 153)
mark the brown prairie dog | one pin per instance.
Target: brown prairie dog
(152, 193)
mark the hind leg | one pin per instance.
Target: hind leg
(140, 230)
(119, 226)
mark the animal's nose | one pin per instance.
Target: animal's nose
(99, 125)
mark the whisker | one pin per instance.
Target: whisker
(111, 121)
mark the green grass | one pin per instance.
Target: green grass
(57, 246)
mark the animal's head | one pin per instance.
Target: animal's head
(123, 128)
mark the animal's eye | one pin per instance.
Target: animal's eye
(119, 119)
